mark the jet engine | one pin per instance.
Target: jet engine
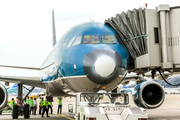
(148, 95)
(3, 96)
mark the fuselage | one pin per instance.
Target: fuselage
(86, 58)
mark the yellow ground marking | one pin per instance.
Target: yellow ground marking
(65, 117)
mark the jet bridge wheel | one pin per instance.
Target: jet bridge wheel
(26, 111)
(15, 112)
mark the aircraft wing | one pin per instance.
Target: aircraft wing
(32, 81)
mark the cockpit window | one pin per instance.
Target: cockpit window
(91, 39)
(77, 41)
(108, 39)
(71, 42)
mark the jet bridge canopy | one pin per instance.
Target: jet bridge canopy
(130, 27)
(151, 37)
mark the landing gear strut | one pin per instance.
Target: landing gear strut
(21, 110)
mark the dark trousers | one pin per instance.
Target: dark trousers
(49, 106)
(40, 109)
(31, 109)
(59, 107)
(45, 109)
(35, 108)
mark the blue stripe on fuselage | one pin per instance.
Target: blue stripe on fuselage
(64, 58)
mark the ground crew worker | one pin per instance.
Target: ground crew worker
(50, 106)
(27, 100)
(41, 105)
(45, 104)
(12, 103)
(35, 106)
(24, 102)
(59, 105)
(31, 105)
(17, 101)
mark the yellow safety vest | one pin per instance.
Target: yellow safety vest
(42, 103)
(32, 103)
(59, 102)
(12, 103)
(45, 103)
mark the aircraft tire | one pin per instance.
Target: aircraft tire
(26, 111)
(15, 112)
(0, 112)
(78, 116)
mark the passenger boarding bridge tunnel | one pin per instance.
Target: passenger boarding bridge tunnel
(151, 37)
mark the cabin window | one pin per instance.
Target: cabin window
(91, 39)
(108, 39)
(77, 41)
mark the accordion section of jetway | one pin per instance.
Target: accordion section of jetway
(130, 27)
(151, 37)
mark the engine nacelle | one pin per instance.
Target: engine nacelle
(148, 95)
(3, 96)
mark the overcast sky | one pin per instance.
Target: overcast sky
(26, 27)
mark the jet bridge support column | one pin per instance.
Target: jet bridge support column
(163, 11)
(163, 33)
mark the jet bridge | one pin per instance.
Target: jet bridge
(151, 37)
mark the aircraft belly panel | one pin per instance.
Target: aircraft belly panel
(83, 84)
(70, 85)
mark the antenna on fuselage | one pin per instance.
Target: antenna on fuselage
(91, 19)
(53, 29)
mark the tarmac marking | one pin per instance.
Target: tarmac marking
(65, 116)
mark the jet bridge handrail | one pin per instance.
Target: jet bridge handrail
(135, 37)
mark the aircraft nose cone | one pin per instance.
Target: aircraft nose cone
(102, 66)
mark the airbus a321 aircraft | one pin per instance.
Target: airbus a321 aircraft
(87, 58)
